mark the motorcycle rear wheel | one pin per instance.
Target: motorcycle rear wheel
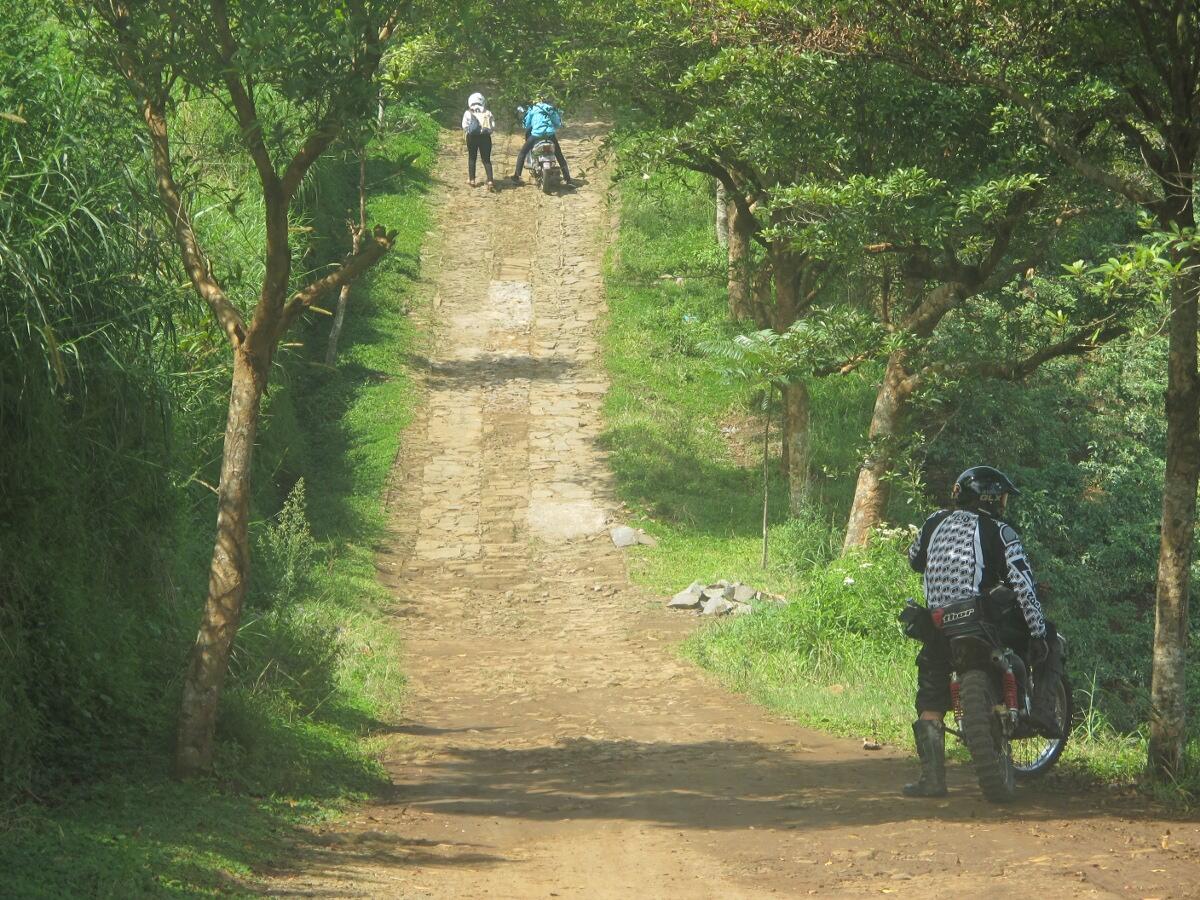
(549, 181)
(985, 737)
(1034, 756)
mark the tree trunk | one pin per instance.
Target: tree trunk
(722, 217)
(1168, 686)
(785, 450)
(796, 445)
(784, 313)
(739, 264)
(339, 316)
(872, 491)
(227, 573)
(761, 298)
(786, 276)
(766, 475)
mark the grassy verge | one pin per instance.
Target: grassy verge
(315, 666)
(684, 445)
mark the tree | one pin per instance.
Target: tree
(953, 250)
(292, 78)
(864, 159)
(404, 57)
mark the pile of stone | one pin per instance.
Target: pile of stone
(724, 598)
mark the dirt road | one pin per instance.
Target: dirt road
(556, 747)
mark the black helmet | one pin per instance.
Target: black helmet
(982, 486)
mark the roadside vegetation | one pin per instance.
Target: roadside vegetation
(113, 415)
(995, 234)
(1082, 439)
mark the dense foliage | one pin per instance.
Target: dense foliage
(112, 392)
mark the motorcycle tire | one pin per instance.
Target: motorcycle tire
(985, 738)
(1034, 756)
(549, 181)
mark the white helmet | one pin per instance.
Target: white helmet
(477, 99)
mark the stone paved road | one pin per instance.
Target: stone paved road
(556, 747)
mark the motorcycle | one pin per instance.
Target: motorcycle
(542, 162)
(991, 691)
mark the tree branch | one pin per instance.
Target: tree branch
(1037, 255)
(1142, 144)
(194, 260)
(243, 102)
(1018, 209)
(934, 306)
(1082, 341)
(330, 124)
(146, 83)
(690, 160)
(373, 248)
(1149, 43)
(847, 366)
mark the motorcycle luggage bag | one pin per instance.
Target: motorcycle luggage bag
(961, 618)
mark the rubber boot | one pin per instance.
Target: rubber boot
(931, 747)
(1046, 679)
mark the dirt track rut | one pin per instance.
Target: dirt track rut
(555, 745)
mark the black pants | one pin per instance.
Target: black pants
(934, 665)
(530, 140)
(479, 145)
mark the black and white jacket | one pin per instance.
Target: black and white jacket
(963, 553)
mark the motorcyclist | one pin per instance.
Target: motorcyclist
(542, 121)
(969, 551)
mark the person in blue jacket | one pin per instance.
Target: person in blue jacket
(542, 121)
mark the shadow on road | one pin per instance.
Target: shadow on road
(712, 784)
(717, 785)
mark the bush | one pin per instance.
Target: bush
(287, 552)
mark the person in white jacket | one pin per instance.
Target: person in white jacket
(478, 123)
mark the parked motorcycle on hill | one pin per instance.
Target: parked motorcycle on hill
(991, 690)
(542, 162)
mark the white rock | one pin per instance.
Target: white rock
(724, 591)
(743, 593)
(717, 606)
(689, 599)
(623, 536)
(742, 609)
